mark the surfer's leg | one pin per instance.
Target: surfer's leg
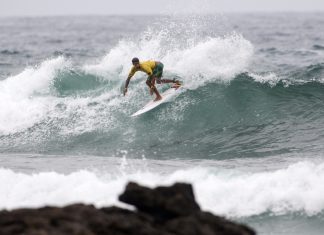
(158, 96)
(176, 83)
(157, 73)
(149, 84)
(153, 89)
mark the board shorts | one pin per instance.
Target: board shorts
(157, 72)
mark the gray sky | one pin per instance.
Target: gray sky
(104, 7)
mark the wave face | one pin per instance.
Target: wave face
(55, 105)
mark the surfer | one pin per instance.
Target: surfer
(154, 70)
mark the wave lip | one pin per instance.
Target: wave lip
(216, 59)
(270, 78)
(24, 98)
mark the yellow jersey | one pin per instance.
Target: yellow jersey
(146, 67)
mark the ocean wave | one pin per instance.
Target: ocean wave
(9, 52)
(54, 90)
(295, 189)
(74, 82)
(68, 106)
(318, 47)
(57, 104)
(196, 61)
(25, 98)
(313, 73)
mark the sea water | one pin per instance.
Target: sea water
(247, 132)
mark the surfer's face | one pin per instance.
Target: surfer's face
(137, 65)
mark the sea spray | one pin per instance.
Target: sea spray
(196, 59)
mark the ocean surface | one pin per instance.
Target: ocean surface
(247, 131)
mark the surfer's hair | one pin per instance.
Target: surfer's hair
(135, 60)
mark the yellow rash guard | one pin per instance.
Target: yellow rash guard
(146, 67)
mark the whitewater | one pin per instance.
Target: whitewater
(247, 132)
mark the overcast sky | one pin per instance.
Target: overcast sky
(116, 7)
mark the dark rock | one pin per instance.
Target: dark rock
(162, 202)
(205, 223)
(161, 211)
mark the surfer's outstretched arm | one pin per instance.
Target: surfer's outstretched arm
(133, 70)
(126, 85)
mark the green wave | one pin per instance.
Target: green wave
(243, 118)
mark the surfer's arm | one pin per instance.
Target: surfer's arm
(126, 85)
(130, 75)
(131, 72)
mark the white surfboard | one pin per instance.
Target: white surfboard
(166, 96)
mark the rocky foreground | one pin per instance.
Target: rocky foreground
(160, 211)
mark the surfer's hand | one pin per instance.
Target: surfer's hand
(125, 91)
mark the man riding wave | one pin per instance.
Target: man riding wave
(154, 70)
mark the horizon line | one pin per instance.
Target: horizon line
(160, 14)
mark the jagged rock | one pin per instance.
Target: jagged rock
(162, 202)
(161, 211)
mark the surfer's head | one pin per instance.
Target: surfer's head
(135, 62)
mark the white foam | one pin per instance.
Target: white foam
(214, 59)
(78, 117)
(295, 189)
(29, 98)
(272, 79)
(25, 98)
(269, 78)
(196, 60)
(298, 188)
